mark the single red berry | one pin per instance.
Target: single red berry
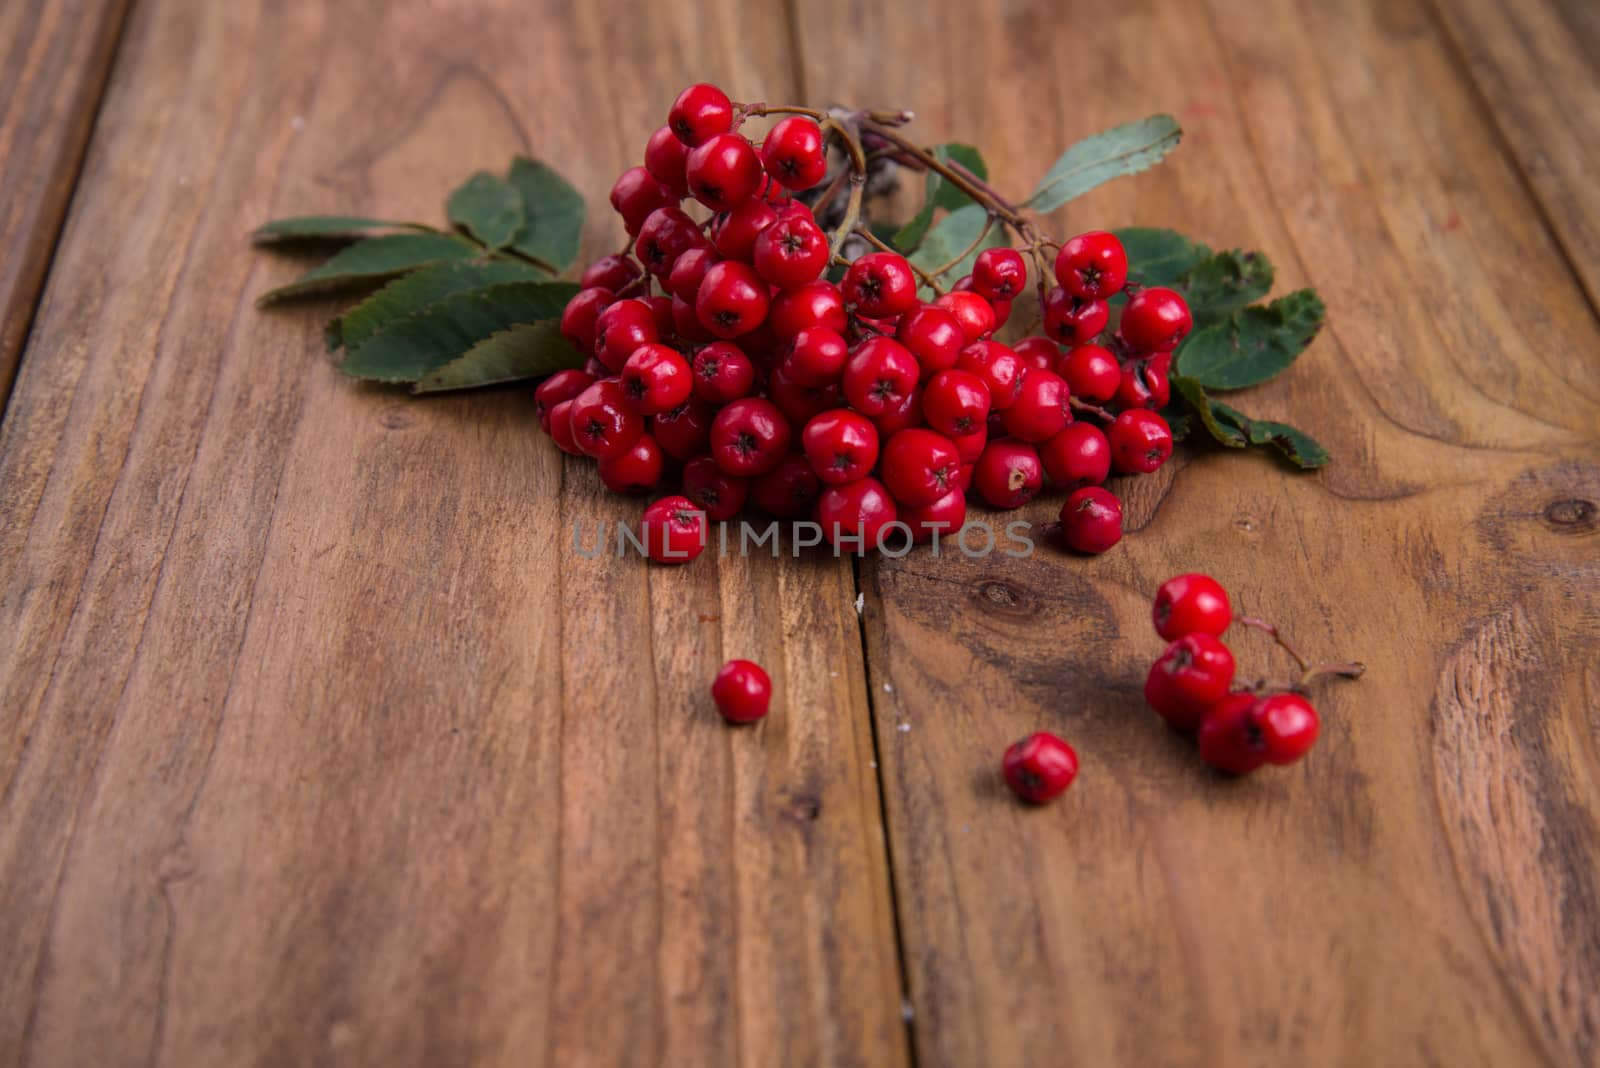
(1002, 312)
(700, 113)
(1192, 674)
(1140, 440)
(666, 234)
(880, 285)
(621, 329)
(689, 271)
(816, 357)
(1008, 474)
(788, 490)
(1074, 320)
(800, 404)
(1191, 604)
(944, 517)
(1092, 265)
(1157, 377)
(636, 195)
(684, 432)
(816, 303)
(581, 317)
(1156, 319)
(733, 299)
(920, 466)
(711, 488)
(749, 437)
(742, 691)
(660, 306)
(793, 153)
(723, 171)
(791, 252)
(956, 403)
(656, 379)
(854, 516)
(604, 423)
(674, 530)
(1038, 354)
(1092, 372)
(664, 158)
(1288, 726)
(934, 336)
(560, 427)
(908, 414)
(1078, 456)
(609, 272)
(686, 324)
(879, 376)
(999, 274)
(970, 446)
(561, 386)
(842, 445)
(734, 233)
(1040, 767)
(1091, 520)
(1230, 740)
(636, 471)
(1001, 369)
(975, 314)
(722, 373)
(1042, 408)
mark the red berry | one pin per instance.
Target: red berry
(1092, 265)
(800, 404)
(970, 446)
(1091, 520)
(842, 445)
(720, 494)
(636, 471)
(816, 303)
(722, 373)
(1141, 441)
(908, 414)
(684, 432)
(561, 428)
(1042, 408)
(621, 329)
(1038, 354)
(749, 437)
(636, 195)
(1191, 604)
(734, 234)
(1192, 674)
(943, 517)
(561, 386)
(880, 285)
(1230, 739)
(609, 272)
(604, 423)
(791, 252)
(686, 324)
(1155, 320)
(742, 691)
(975, 314)
(1091, 372)
(1078, 456)
(853, 516)
(656, 379)
(999, 274)
(661, 307)
(733, 299)
(793, 153)
(1002, 312)
(1157, 379)
(816, 357)
(666, 234)
(700, 113)
(920, 467)
(1073, 320)
(933, 335)
(788, 490)
(1040, 767)
(723, 171)
(1288, 726)
(1001, 369)
(580, 318)
(674, 531)
(879, 376)
(1145, 384)
(688, 271)
(664, 158)
(956, 403)
(1008, 474)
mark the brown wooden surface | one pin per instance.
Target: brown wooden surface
(318, 744)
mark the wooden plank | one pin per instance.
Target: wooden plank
(1537, 65)
(1421, 889)
(53, 67)
(320, 742)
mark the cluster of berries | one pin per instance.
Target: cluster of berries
(718, 346)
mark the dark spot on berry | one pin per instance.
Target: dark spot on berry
(746, 442)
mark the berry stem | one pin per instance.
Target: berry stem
(758, 109)
(929, 280)
(1091, 409)
(977, 242)
(980, 192)
(1277, 636)
(1353, 669)
(858, 182)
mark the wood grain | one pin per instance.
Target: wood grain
(321, 745)
(54, 60)
(1421, 889)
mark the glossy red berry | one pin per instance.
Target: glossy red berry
(742, 691)
(1038, 354)
(1230, 739)
(1288, 726)
(580, 318)
(1040, 767)
(604, 423)
(1092, 265)
(816, 303)
(1008, 474)
(933, 335)
(793, 153)
(636, 471)
(636, 194)
(854, 516)
(842, 445)
(1158, 379)
(561, 386)
(686, 324)
(920, 466)
(791, 252)
(1092, 372)
(722, 373)
(674, 530)
(907, 415)
(1091, 520)
(712, 489)
(560, 428)
(1140, 440)
(664, 158)
(1156, 319)
(816, 357)
(684, 432)
(956, 403)
(976, 315)
(734, 234)
(749, 437)
(1191, 604)
(999, 274)
(1001, 369)
(943, 517)
(1078, 456)
(1042, 408)
(723, 172)
(666, 234)
(700, 113)
(788, 490)
(656, 379)
(800, 404)
(880, 285)
(1074, 320)
(879, 376)
(1192, 674)
(733, 299)
(609, 272)
(689, 270)
(622, 328)
(970, 446)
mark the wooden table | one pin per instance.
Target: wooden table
(319, 745)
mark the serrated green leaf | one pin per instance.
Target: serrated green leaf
(1252, 345)
(1126, 149)
(909, 236)
(956, 232)
(528, 351)
(1194, 395)
(376, 259)
(554, 213)
(489, 208)
(408, 349)
(942, 194)
(1159, 257)
(322, 227)
(1221, 284)
(411, 293)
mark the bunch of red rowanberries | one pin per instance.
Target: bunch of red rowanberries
(717, 344)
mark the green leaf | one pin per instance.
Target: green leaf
(408, 349)
(489, 208)
(940, 193)
(411, 293)
(1179, 420)
(317, 227)
(1252, 345)
(374, 260)
(1300, 448)
(1126, 149)
(909, 236)
(1221, 284)
(1159, 257)
(957, 232)
(554, 213)
(1194, 395)
(528, 351)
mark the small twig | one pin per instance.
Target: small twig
(928, 280)
(1353, 669)
(977, 242)
(1091, 409)
(1277, 636)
